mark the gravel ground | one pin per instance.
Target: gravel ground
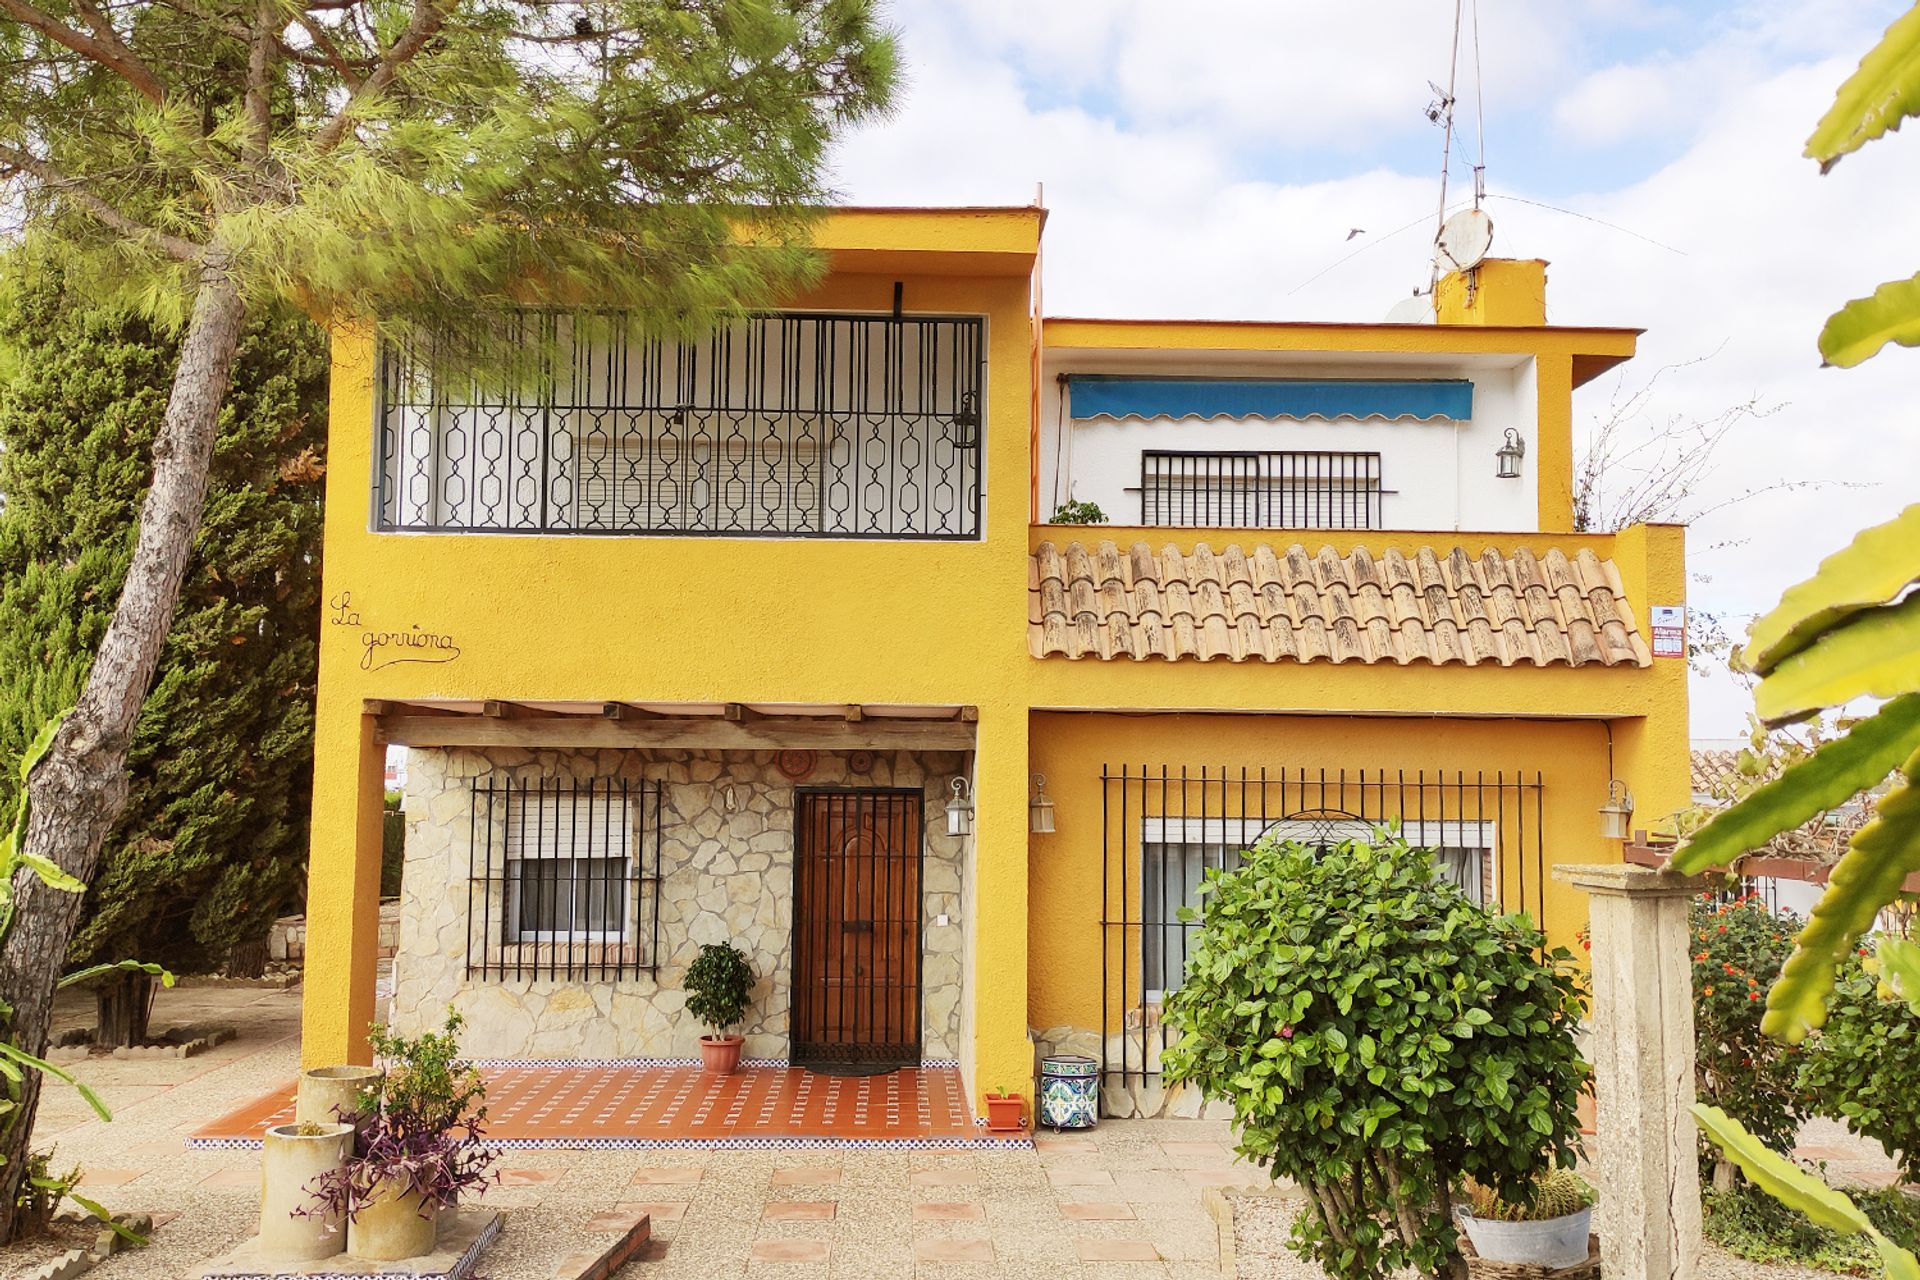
(1261, 1225)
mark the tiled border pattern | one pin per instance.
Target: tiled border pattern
(698, 1144)
(461, 1268)
(534, 1064)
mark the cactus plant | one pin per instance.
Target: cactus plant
(1555, 1195)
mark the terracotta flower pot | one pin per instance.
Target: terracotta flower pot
(720, 1055)
(1006, 1113)
(394, 1226)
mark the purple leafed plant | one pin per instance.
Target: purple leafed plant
(420, 1131)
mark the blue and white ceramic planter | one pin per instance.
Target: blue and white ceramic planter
(1069, 1091)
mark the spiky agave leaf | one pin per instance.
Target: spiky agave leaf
(1878, 860)
(1874, 654)
(1874, 100)
(1857, 331)
(1873, 569)
(1832, 775)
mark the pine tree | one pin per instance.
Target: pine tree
(212, 843)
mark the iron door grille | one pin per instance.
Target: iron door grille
(1165, 827)
(788, 425)
(857, 905)
(564, 879)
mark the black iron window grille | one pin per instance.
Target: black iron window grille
(1261, 490)
(564, 879)
(1165, 828)
(791, 425)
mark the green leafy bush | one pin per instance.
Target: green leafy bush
(718, 984)
(1749, 1222)
(426, 1086)
(1075, 512)
(1381, 1040)
(1738, 949)
(1864, 1065)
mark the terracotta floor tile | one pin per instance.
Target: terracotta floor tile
(1116, 1251)
(789, 1251)
(944, 1250)
(528, 1177)
(665, 1177)
(231, 1178)
(797, 1210)
(558, 1103)
(1096, 1211)
(1221, 1177)
(806, 1176)
(98, 1177)
(948, 1211)
(614, 1220)
(659, 1211)
(1080, 1177)
(944, 1177)
(1064, 1146)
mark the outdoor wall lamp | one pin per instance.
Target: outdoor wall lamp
(1617, 813)
(960, 810)
(1040, 808)
(1509, 455)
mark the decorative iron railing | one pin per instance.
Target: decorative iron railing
(1261, 489)
(791, 425)
(1165, 828)
(563, 879)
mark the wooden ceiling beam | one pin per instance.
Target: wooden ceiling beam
(703, 733)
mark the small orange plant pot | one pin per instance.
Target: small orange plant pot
(1006, 1112)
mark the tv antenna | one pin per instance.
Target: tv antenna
(1461, 242)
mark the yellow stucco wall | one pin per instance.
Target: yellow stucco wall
(1068, 868)
(702, 620)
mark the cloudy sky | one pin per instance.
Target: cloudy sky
(1208, 158)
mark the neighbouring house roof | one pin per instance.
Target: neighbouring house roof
(1721, 776)
(1284, 605)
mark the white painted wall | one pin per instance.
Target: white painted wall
(1438, 474)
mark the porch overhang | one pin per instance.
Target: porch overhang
(717, 726)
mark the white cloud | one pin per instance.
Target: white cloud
(1156, 211)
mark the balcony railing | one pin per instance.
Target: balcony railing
(792, 425)
(1261, 490)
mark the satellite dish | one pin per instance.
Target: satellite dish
(1463, 240)
(1417, 309)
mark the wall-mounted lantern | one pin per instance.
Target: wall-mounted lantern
(1509, 455)
(960, 810)
(1040, 808)
(1616, 815)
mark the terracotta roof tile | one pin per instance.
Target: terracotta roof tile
(1270, 604)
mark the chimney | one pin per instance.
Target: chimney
(1503, 292)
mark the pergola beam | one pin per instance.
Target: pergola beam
(699, 733)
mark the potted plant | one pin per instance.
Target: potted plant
(1548, 1228)
(1006, 1112)
(419, 1148)
(718, 983)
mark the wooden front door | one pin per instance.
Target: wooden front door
(856, 927)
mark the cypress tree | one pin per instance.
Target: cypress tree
(212, 843)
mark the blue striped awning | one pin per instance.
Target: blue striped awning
(1092, 395)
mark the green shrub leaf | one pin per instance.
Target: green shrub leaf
(1875, 98)
(1873, 569)
(1832, 775)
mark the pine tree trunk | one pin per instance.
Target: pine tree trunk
(122, 1004)
(80, 787)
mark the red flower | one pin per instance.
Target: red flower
(1753, 995)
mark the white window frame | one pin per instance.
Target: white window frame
(558, 846)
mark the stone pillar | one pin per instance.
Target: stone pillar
(1642, 1050)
